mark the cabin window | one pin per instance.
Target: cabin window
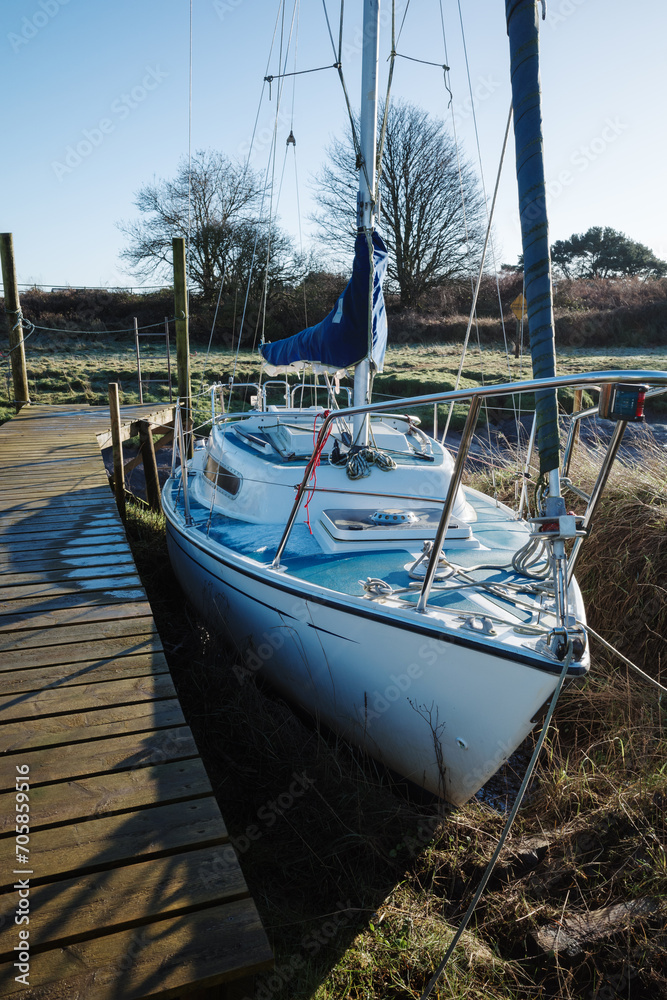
(224, 479)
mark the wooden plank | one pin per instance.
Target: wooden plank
(94, 724)
(68, 535)
(104, 794)
(73, 616)
(66, 501)
(22, 612)
(85, 555)
(132, 888)
(96, 653)
(99, 844)
(57, 677)
(72, 909)
(111, 566)
(118, 753)
(79, 632)
(28, 523)
(164, 958)
(73, 698)
(53, 591)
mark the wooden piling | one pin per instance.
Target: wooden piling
(150, 465)
(117, 445)
(182, 335)
(13, 310)
(136, 347)
(576, 406)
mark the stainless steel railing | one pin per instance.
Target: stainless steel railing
(589, 380)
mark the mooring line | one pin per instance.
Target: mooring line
(508, 826)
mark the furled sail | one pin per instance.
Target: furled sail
(342, 339)
(522, 28)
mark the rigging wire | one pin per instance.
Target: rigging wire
(481, 171)
(272, 156)
(187, 249)
(481, 268)
(257, 228)
(296, 171)
(245, 172)
(508, 826)
(473, 314)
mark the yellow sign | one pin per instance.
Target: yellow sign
(518, 307)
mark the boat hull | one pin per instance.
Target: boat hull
(443, 712)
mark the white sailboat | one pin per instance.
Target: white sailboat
(419, 618)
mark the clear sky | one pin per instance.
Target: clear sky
(96, 104)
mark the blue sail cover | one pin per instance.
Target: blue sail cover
(341, 339)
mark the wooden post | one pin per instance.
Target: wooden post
(150, 465)
(136, 347)
(117, 444)
(166, 337)
(576, 406)
(517, 340)
(13, 310)
(182, 336)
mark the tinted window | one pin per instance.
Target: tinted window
(222, 477)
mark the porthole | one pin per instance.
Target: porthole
(222, 478)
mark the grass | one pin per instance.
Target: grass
(359, 880)
(78, 372)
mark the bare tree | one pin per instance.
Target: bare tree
(221, 199)
(432, 210)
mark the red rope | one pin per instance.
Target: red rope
(318, 455)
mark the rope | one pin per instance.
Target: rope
(527, 558)
(508, 826)
(425, 62)
(316, 461)
(378, 588)
(629, 663)
(300, 72)
(51, 329)
(358, 461)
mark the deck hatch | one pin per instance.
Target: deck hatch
(405, 523)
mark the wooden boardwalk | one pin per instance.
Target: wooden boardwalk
(134, 888)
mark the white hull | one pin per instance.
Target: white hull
(443, 710)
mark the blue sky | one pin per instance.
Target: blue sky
(109, 78)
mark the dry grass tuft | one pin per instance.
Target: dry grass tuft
(361, 881)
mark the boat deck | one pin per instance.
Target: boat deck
(127, 875)
(343, 572)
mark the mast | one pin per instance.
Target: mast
(523, 31)
(365, 196)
